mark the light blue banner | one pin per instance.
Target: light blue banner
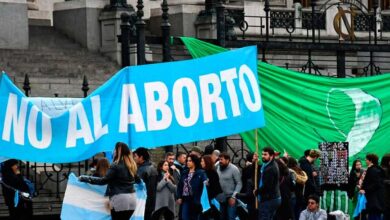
(150, 106)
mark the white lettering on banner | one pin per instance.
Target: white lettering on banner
(98, 129)
(159, 104)
(130, 93)
(210, 97)
(32, 129)
(193, 102)
(157, 95)
(77, 114)
(15, 120)
(228, 76)
(252, 106)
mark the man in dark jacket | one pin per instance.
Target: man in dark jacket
(148, 173)
(373, 187)
(268, 192)
(306, 165)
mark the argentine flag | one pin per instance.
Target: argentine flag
(83, 201)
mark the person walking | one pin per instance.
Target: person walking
(120, 179)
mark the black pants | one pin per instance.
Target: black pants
(22, 212)
(163, 212)
(123, 215)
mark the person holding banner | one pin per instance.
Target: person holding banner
(189, 189)
(120, 180)
(14, 187)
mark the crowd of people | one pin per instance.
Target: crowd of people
(274, 186)
(283, 187)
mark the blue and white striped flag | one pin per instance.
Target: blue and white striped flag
(139, 212)
(83, 201)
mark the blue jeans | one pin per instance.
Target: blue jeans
(228, 212)
(268, 208)
(190, 211)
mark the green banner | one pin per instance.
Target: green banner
(302, 110)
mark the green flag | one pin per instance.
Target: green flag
(302, 110)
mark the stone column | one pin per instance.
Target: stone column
(79, 20)
(110, 21)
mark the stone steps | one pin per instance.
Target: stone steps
(55, 64)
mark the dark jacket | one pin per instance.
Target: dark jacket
(196, 184)
(374, 189)
(310, 186)
(118, 180)
(214, 187)
(387, 194)
(270, 188)
(14, 182)
(353, 181)
(148, 173)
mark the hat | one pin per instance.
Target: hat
(196, 149)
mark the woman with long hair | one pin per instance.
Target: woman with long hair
(165, 195)
(120, 179)
(353, 181)
(189, 189)
(213, 185)
(102, 167)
